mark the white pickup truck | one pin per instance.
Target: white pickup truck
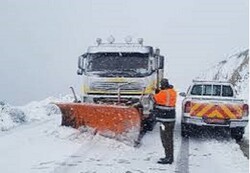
(213, 103)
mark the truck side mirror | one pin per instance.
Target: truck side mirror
(152, 63)
(161, 62)
(79, 72)
(157, 52)
(81, 64)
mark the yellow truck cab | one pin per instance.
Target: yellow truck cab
(121, 73)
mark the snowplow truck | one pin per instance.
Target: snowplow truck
(118, 79)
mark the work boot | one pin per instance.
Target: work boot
(162, 158)
(165, 161)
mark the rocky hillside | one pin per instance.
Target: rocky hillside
(234, 69)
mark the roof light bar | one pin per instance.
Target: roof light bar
(99, 41)
(128, 39)
(140, 41)
(111, 39)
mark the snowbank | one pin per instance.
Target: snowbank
(12, 116)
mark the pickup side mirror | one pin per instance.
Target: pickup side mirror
(183, 94)
(81, 64)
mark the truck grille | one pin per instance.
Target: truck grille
(112, 86)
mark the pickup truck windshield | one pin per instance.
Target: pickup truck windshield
(123, 64)
(212, 90)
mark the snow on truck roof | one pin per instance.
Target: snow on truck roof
(211, 82)
(120, 47)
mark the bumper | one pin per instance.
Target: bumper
(146, 102)
(198, 121)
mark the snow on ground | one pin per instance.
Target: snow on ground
(42, 146)
(28, 148)
(211, 155)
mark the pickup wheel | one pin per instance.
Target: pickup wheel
(185, 130)
(237, 133)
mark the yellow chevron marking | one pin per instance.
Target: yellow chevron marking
(239, 110)
(215, 114)
(204, 110)
(228, 112)
(195, 106)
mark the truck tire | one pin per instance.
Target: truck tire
(237, 133)
(185, 130)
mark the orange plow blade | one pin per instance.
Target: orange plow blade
(120, 122)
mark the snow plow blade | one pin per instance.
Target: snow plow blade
(119, 122)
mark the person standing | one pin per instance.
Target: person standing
(165, 101)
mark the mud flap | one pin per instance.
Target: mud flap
(119, 122)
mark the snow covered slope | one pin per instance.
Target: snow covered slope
(12, 116)
(234, 69)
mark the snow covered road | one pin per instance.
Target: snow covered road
(27, 148)
(45, 146)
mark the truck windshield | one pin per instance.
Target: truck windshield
(122, 64)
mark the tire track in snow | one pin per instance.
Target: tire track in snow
(182, 163)
(113, 156)
(183, 157)
(25, 126)
(76, 158)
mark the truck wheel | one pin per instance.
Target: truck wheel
(237, 133)
(185, 130)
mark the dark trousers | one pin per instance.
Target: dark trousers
(166, 132)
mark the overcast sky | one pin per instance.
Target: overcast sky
(40, 40)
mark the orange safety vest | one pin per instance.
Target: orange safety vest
(166, 97)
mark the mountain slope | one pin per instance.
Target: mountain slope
(234, 69)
